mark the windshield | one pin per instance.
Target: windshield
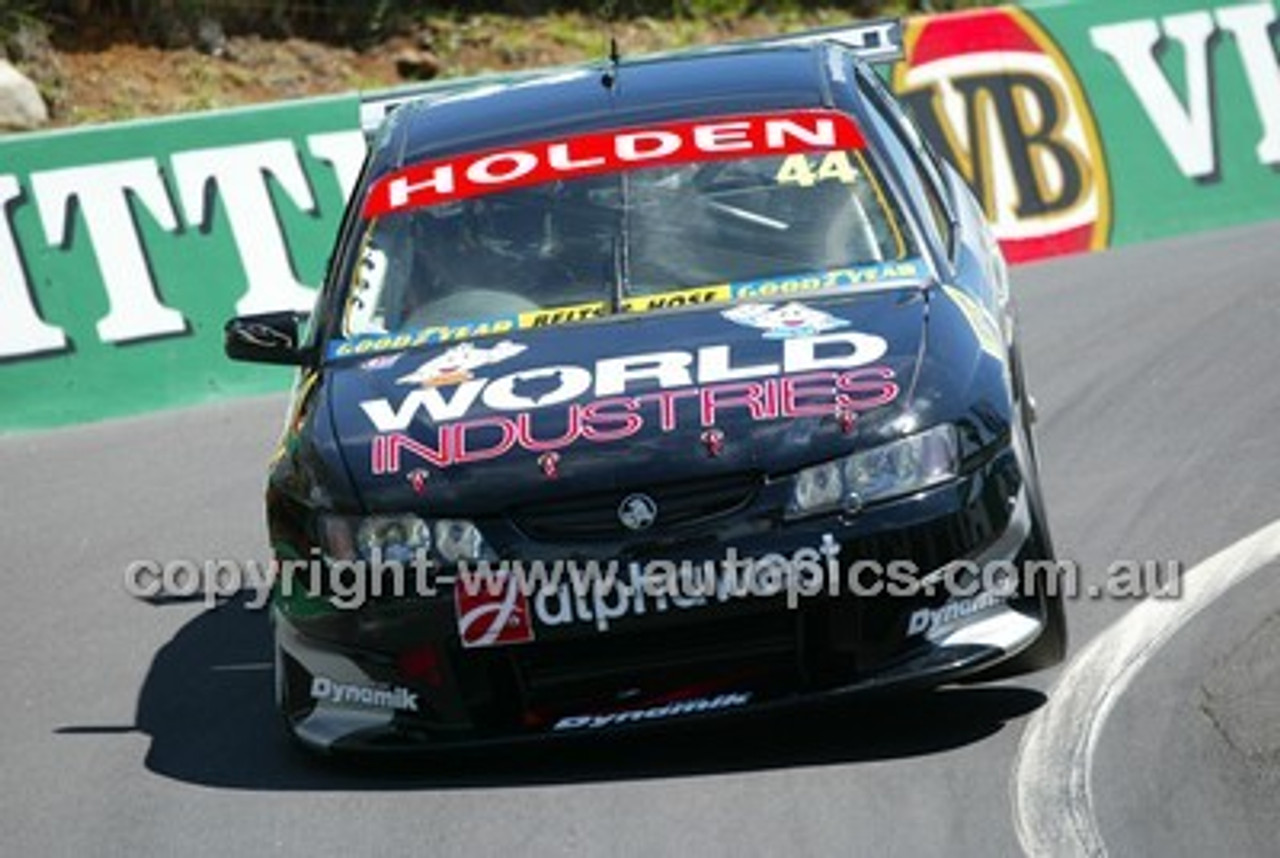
(631, 240)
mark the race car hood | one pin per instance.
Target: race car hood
(474, 427)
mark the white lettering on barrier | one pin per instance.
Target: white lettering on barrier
(344, 152)
(1252, 25)
(22, 331)
(240, 175)
(110, 197)
(1188, 130)
(106, 195)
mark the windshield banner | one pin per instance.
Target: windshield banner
(715, 139)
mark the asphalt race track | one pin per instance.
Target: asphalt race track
(139, 728)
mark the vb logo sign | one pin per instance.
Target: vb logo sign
(997, 98)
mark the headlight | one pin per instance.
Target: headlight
(396, 538)
(890, 470)
(457, 539)
(401, 538)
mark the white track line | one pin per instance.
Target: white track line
(1052, 795)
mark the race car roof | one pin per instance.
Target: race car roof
(718, 82)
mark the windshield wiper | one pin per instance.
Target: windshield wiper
(749, 216)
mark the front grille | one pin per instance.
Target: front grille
(654, 660)
(680, 505)
(926, 546)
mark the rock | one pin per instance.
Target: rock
(29, 49)
(21, 107)
(414, 64)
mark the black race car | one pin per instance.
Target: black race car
(673, 387)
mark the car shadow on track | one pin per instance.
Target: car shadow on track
(207, 706)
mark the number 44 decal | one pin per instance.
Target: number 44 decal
(800, 170)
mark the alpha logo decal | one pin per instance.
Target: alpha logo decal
(493, 614)
(997, 98)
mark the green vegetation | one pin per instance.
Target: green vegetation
(17, 15)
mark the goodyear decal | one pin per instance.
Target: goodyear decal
(877, 274)
(903, 272)
(368, 344)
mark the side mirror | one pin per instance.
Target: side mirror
(266, 338)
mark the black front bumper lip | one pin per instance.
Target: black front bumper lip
(924, 672)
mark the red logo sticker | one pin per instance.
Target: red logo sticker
(492, 610)
(520, 165)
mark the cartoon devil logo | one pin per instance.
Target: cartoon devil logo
(784, 321)
(455, 365)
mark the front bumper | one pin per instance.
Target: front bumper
(395, 673)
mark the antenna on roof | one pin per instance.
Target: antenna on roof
(610, 77)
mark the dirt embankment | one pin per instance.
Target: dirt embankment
(105, 72)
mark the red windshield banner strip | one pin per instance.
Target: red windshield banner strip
(520, 165)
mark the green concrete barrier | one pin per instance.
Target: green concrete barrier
(1095, 123)
(123, 250)
(1080, 125)
(1187, 95)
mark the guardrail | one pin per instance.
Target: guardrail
(1081, 126)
